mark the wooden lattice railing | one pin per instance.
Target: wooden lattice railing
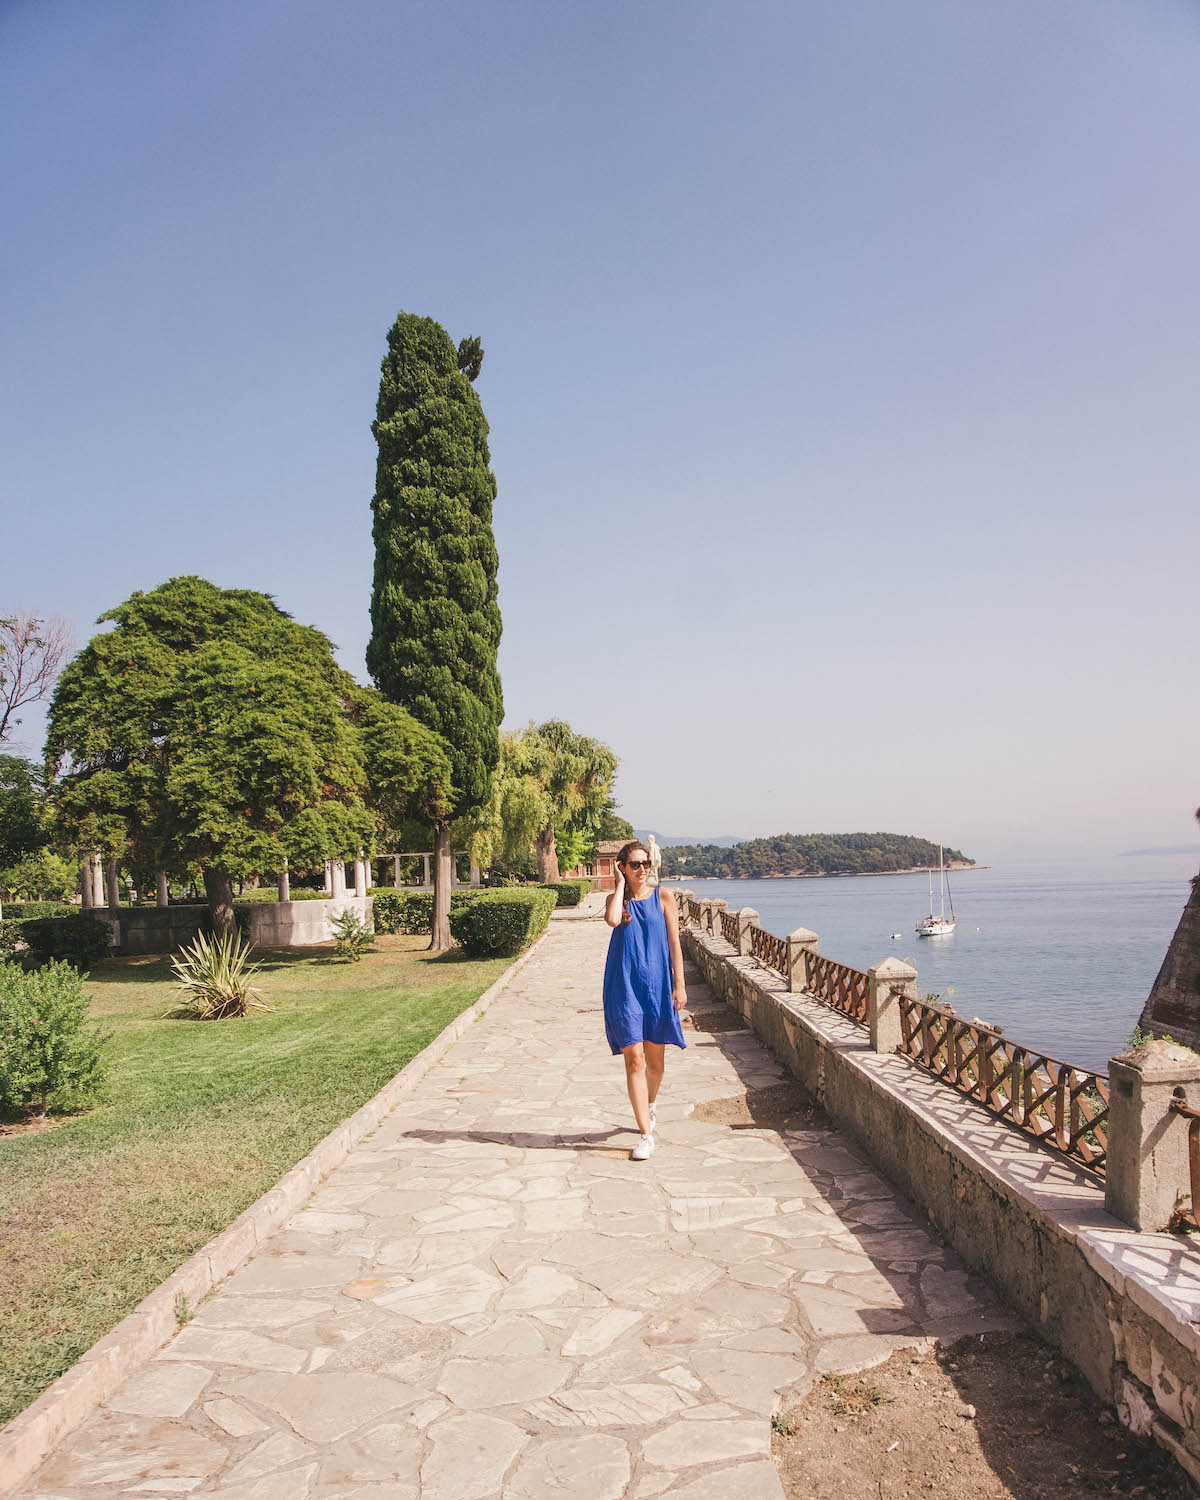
(729, 927)
(769, 950)
(1057, 1103)
(839, 986)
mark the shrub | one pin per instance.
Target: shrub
(353, 936)
(412, 911)
(19, 910)
(215, 974)
(502, 921)
(569, 892)
(80, 940)
(50, 1052)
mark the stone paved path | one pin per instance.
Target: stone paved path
(489, 1301)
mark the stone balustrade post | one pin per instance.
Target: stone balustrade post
(747, 918)
(285, 884)
(705, 922)
(113, 884)
(683, 897)
(1147, 1167)
(161, 893)
(889, 980)
(800, 944)
(715, 907)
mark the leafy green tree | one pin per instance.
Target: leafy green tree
(435, 620)
(43, 875)
(572, 845)
(408, 770)
(549, 777)
(22, 821)
(610, 828)
(208, 730)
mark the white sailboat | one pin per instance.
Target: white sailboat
(937, 924)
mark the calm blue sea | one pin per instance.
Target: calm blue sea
(1060, 953)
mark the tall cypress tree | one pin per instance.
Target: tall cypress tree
(435, 620)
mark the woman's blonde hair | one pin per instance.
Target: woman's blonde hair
(623, 859)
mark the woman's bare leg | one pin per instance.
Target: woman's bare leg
(635, 1082)
(656, 1061)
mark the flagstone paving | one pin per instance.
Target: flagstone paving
(489, 1301)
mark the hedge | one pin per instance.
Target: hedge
(79, 940)
(50, 1052)
(18, 911)
(502, 921)
(570, 892)
(411, 911)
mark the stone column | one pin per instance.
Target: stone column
(85, 883)
(715, 907)
(425, 860)
(329, 877)
(338, 868)
(285, 884)
(746, 919)
(162, 894)
(705, 905)
(396, 870)
(888, 981)
(476, 877)
(1147, 1167)
(113, 884)
(360, 877)
(800, 944)
(683, 897)
(369, 867)
(97, 880)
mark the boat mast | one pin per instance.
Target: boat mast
(942, 881)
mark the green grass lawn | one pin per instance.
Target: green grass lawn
(198, 1119)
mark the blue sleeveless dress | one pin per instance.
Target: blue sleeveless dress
(638, 1004)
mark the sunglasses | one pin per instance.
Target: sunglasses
(637, 864)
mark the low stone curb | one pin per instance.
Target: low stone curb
(30, 1437)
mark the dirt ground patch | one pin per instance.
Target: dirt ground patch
(719, 1018)
(994, 1415)
(784, 1106)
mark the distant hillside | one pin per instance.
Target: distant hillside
(678, 840)
(806, 854)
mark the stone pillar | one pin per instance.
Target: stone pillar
(396, 870)
(85, 883)
(888, 981)
(160, 882)
(1147, 1167)
(476, 877)
(285, 884)
(113, 884)
(715, 907)
(800, 944)
(369, 867)
(338, 870)
(425, 860)
(705, 922)
(360, 877)
(747, 918)
(329, 877)
(683, 897)
(97, 881)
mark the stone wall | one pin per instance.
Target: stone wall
(272, 924)
(1123, 1305)
(1173, 1008)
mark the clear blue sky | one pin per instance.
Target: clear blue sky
(859, 343)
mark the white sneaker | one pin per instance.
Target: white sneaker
(643, 1149)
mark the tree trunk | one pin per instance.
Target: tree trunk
(162, 894)
(547, 856)
(285, 884)
(443, 876)
(113, 884)
(218, 888)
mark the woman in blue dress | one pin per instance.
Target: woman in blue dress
(644, 987)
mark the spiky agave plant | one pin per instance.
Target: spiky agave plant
(215, 974)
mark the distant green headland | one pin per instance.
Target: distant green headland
(808, 854)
